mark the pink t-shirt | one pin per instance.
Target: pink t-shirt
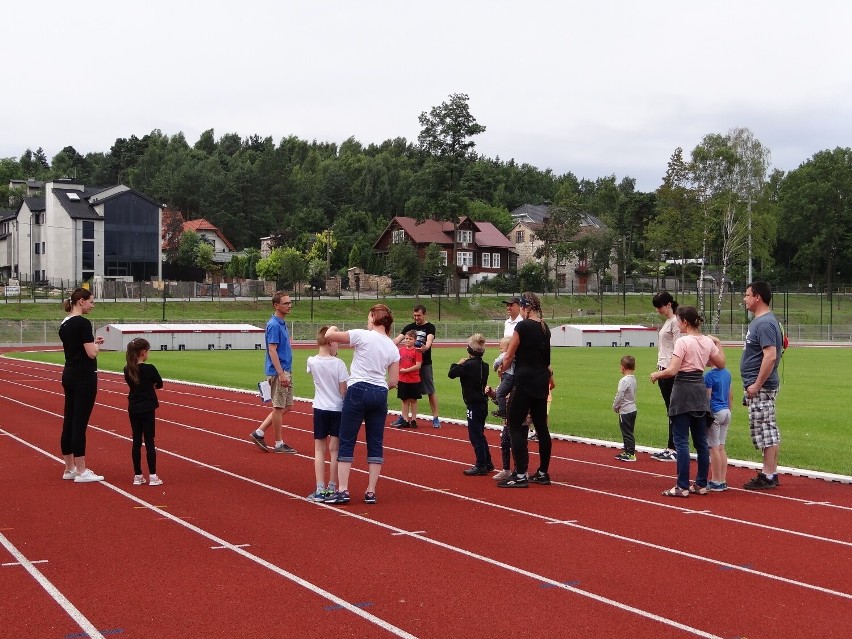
(694, 352)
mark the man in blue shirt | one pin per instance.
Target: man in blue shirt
(279, 366)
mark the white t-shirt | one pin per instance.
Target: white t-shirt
(509, 326)
(669, 333)
(328, 372)
(374, 352)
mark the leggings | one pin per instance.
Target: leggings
(80, 392)
(142, 425)
(522, 403)
(666, 386)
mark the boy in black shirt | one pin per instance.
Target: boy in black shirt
(473, 374)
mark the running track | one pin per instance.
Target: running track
(229, 546)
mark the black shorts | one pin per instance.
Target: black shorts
(408, 390)
(326, 423)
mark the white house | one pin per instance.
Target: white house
(77, 233)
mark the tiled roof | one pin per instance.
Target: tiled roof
(441, 232)
(203, 225)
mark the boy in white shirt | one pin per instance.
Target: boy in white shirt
(330, 377)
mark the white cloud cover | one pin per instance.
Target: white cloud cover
(595, 88)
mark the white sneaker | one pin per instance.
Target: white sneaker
(153, 480)
(87, 476)
(69, 474)
(138, 480)
(503, 474)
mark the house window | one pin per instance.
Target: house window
(464, 237)
(38, 248)
(398, 236)
(519, 237)
(43, 251)
(88, 256)
(464, 258)
(88, 230)
(38, 218)
(486, 260)
(443, 258)
(495, 260)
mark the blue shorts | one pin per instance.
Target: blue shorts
(326, 423)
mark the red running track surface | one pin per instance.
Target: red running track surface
(228, 546)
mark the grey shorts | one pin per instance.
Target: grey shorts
(427, 383)
(717, 432)
(761, 419)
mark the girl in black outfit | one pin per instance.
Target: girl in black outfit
(142, 379)
(529, 348)
(80, 383)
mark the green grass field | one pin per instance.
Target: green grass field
(812, 418)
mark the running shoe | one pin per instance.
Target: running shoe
(153, 480)
(625, 457)
(283, 448)
(260, 441)
(87, 476)
(138, 480)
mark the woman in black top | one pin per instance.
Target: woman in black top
(80, 383)
(529, 348)
(142, 379)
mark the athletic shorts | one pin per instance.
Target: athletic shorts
(282, 396)
(427, 383)
(326, 423)
(717, 432)
(761, 419)
(408, 390)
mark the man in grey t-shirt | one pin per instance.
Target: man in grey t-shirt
(759, 371)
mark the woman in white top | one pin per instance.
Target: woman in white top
(669, 332)
(374, 370)
(690, 407)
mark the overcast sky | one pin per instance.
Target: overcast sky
(597, 87)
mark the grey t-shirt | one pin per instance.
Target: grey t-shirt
(762, 332)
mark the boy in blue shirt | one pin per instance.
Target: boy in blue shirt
(721, 394)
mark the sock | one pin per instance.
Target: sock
(279, 443)
(332, 487)
(259, 433)
(320, 488)
(770, 477)
(522, 475)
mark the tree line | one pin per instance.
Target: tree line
(326, 203)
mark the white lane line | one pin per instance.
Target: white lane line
(381, 623)
(71, 610)
(18, 563)
(393, 529)
(433, 457)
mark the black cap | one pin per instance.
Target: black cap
(512, 300)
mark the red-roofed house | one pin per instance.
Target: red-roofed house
(481, 250)
(223, 250)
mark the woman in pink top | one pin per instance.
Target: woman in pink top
(689, 409)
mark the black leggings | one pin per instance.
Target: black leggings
(521, 404)
(666, 385)
(80, 392)
(142, 425)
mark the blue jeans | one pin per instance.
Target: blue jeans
(682, 425)
(369, 404)
(476, 434)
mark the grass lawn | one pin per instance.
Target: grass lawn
(812, 409)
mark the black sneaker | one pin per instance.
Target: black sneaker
(540, 478)
(489, 467)
(403, 424)
(513, 481)
(760, 482)
(370, 498)
(412, 423)
(475, 470)
(283, 448)
(499, 413)
(260, 441)
(339, 497)
(399, 421)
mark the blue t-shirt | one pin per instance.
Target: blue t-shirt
(276, 333)
(718, 380)
(762, 332)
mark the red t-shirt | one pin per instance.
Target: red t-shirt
(409, 357)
